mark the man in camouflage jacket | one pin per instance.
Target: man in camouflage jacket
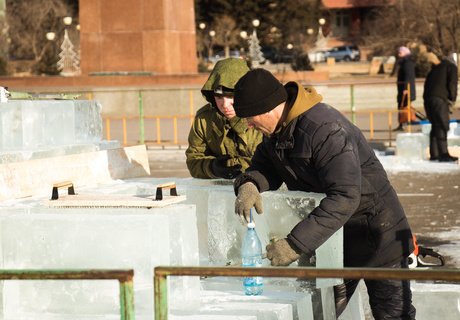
(220, 144)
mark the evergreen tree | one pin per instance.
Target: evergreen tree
(68, 62)
(255, 53)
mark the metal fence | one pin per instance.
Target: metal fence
(162, 273)
(124, 277)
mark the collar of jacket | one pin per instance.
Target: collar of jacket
(239, 125)
(300, 100)
(221, 124)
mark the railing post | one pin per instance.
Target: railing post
(141, 119)
(175, 129)
(371, 125)
(127, 300)
(409, 117)
(125, 134)
(107, 128)
(352, 103)
(161, 296)
(158, 130)
(390, 124)
(191, 106)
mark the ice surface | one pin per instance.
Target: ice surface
(301, 301)
(436, 301)
(41, 238)
(454, 129)
(218, 303)
(39, 124)
(412, 145)
(396, 164)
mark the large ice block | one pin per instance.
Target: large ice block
(35, 237)
(223, 303)
(436, 301)
(412, 145)
(301, 301)
(36, 177)
(38, 124)
(283, 209)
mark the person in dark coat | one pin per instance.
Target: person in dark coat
(439, 93)
(405, 80)
(312, 147)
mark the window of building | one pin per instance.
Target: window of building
(342, 18)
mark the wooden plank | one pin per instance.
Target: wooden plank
(111, 201)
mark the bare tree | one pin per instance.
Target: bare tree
(29, 22)
(227, 33)
(3, 45)
(433, 23)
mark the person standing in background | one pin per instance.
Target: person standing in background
(405, 79)
(220, 144)
(439, 95)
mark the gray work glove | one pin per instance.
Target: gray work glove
(248, 197)
(220, 169)
(282, 252)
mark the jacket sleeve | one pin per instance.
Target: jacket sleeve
(452, 81)
(260, 172)
(247, 149)
(335, 157)
(198, 163)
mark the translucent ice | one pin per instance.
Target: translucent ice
(90, 238)
(412, 145)
(35, 124)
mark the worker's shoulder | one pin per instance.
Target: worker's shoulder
(206, 111)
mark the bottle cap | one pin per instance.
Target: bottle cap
(251, 225)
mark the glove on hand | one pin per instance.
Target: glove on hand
(282, 252)
(248, 197)
(219, 168)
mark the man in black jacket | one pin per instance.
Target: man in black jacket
(440, 92)
(312, 147)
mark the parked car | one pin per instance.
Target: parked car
(316, 56)
(273, 55)
(343, 53)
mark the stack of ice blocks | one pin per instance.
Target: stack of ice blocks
(34, 236)
(214, 200)
(31, 129)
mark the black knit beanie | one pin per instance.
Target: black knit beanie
(257, 92)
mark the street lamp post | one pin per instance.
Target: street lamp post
(202, 41)
(212, 34)
(244, 36)
(321, 41)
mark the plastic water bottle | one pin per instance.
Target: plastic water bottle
(251, 253)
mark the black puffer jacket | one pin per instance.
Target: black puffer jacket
(406, 75)
(319, 150)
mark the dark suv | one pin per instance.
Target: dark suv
(343, 53)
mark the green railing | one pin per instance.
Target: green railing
(124, 277)
(161, 273)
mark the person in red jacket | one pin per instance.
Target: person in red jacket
(312, 147)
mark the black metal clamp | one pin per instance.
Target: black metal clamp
(64, 184)
(169, 185)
